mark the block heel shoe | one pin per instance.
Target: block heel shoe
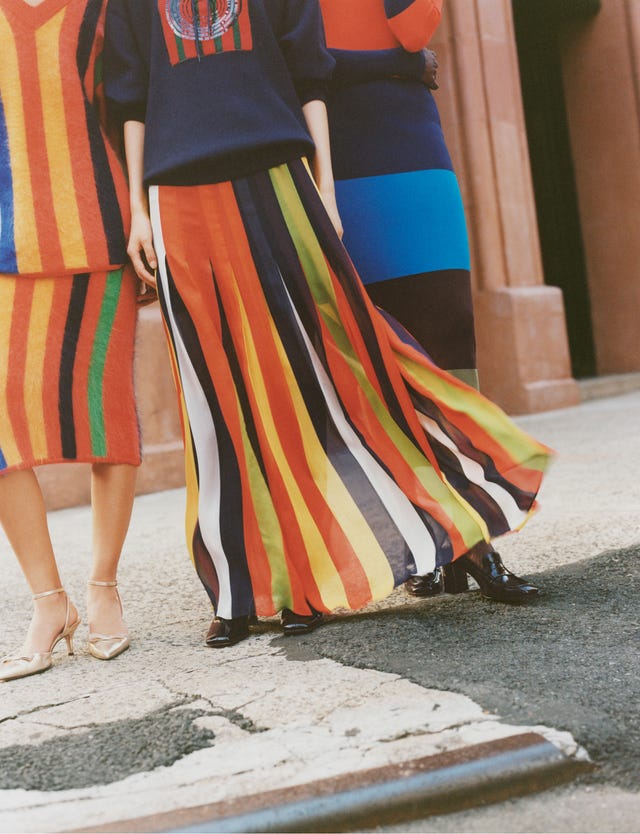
(494, 579)
(223, 632)
(294, 624)
(426, 585)
(456, 580)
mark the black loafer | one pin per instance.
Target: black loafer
(224, 633)
(293, 623)
(427, 585)
(494, 579)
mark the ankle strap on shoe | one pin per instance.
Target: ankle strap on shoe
(48, 593)
(111, 584)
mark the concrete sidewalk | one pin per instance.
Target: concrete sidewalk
(171, 724)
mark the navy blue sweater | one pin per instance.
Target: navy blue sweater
(219, 88)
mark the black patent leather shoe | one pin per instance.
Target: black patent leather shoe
(223, 633)
(293, 624)
(427, 585)
(494, 579)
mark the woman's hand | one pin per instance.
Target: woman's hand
(145, 294)
(315, 115)
(140, 249)
(430, 74)
(329, 200)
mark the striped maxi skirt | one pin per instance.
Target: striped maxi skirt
(327, 458)
(66, 370)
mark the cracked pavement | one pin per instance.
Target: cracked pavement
(173, 724)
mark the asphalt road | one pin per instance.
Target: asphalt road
(568, 660)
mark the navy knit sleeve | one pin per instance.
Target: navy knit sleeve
(359, 66)
(301, 37)
(126, 69)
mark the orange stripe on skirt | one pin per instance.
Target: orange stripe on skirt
(84, 382)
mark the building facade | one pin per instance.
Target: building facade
(540, 101)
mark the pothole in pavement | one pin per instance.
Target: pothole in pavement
(105, 753)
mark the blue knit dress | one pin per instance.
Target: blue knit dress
(397, 191)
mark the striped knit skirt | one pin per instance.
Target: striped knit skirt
(327, 458)
(66, 370)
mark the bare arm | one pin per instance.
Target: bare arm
(315, 114)
(140, 249)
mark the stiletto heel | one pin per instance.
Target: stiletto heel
(455, 579)
(107, 646)
(21, 666)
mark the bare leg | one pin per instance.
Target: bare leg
(24, 519)
(112, 493)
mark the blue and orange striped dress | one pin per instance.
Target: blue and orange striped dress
(398, 195)
(67, 303)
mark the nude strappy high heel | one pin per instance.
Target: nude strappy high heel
(20, 666)
(107, 646)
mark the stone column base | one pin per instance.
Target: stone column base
(523, 351)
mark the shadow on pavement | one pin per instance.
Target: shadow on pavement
(568, 660)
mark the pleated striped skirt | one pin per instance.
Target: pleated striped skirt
(327, 458)
(66, 370)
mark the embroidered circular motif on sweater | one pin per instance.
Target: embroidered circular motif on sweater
(202, 20)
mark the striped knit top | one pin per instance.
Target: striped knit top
(63, 194)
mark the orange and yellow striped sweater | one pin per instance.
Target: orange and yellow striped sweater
(63, 193)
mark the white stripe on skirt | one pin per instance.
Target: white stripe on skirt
(202, 429)
(400, 509)
(474, 472)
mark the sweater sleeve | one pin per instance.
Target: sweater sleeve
(413, 22)
(108, 123)
(301, 37)
(126, 69)
(358, 67)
